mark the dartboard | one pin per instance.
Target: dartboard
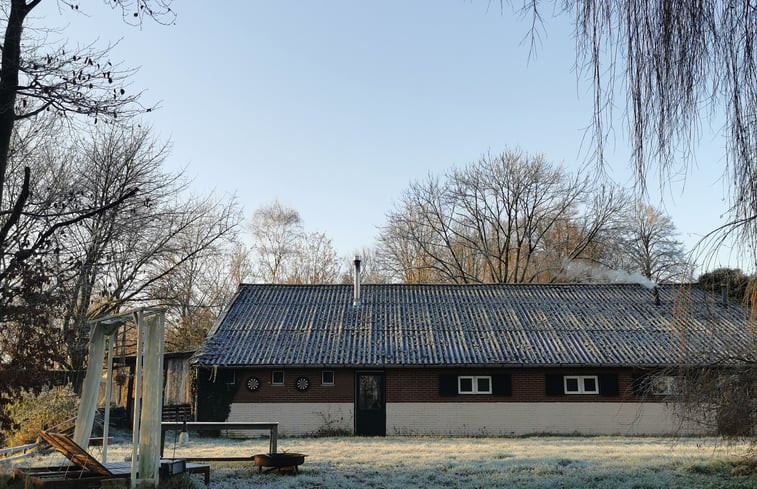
(253, 384)
(302, 383)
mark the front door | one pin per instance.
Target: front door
(370, 404)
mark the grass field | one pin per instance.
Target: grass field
(430, 462)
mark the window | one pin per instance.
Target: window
(662, 385)
(278, 377)
(474, 385)
(327, 377)
(581, 384)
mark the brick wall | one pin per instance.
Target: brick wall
(414, 405)
(419, 385)
(528, 385)
(341, 391)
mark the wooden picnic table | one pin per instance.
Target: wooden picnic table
(273, 429)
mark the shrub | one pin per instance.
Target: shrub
(214, 391)
(32, 412)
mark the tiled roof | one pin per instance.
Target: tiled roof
(475, 325)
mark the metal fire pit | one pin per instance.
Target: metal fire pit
(281, 462)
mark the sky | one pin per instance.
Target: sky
(333, 108)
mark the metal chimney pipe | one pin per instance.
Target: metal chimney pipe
(356, 283)
(724, 294)
(656, 296)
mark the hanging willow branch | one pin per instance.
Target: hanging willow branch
(679, 62)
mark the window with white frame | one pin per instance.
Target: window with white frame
(277, 377)
(581, 384)
(327, 377)
(481, 384)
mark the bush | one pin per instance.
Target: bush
(214, 392)
(32, 412)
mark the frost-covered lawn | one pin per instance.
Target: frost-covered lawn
(430, 462)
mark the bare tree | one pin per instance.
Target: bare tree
(35, 77)
(403, 245)
(282, 252)
(649, 246)
(315, 261)
(240, 266)
(196, 293)
(277, 232)
(36, 80)
(121, 256)
(502, 219)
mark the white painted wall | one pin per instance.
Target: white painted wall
(469, 419)
(520, 418)
(297, 418)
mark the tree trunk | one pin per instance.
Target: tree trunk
(9, 82)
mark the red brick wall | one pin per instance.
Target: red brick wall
(341, 391)
(419, 385)
(528, 385)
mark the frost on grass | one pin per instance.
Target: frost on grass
(468, 463)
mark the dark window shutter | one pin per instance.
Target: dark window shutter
(447, 385)
(502, 385)
(608, 385)
(554, 385)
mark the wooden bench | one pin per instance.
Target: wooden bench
(177, 412)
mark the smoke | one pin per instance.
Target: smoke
(583, 272)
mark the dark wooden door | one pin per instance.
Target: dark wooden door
(370, 404)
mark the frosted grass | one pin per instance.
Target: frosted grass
(468, 463)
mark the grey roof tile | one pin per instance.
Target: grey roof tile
(475, 325)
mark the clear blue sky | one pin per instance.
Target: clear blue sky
(334, 107)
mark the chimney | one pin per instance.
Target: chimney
(724, 295)
(356, 283)
(656, 296)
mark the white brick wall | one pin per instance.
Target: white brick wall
(296, 418)
(519, 418)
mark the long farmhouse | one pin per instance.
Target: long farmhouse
(464, 359)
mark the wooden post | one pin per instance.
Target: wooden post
(88, 402)
(108, 395)
(140, 320)
(152, 390)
